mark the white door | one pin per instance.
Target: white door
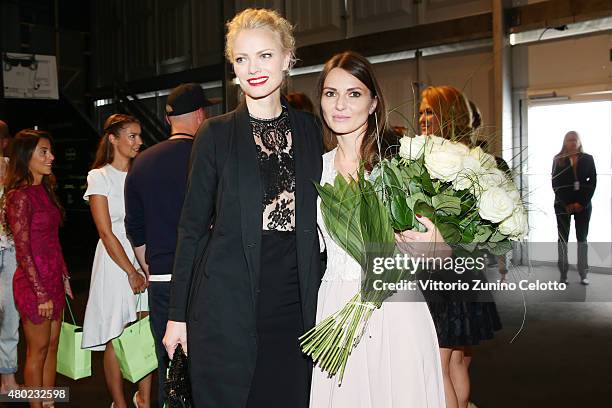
(547, 125)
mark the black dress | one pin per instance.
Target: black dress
(462, 319)
(281, 377)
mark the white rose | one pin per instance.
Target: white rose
(444, 159)
(486, 160)
(515, 226)
(513, 192)
(435, 140)
(412, 148)
(492, 178)
(468, 176)
(495, 204)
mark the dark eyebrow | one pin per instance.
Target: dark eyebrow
(357, 88)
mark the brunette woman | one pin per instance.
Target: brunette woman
(396, 364)
(117, 289)
(41, 279)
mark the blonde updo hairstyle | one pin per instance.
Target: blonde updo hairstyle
(250, 19)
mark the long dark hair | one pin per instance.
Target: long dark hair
(20, 153)
(105, 153)
(358, 66)
(562, 155)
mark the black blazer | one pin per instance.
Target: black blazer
(563, 181)
(217, 263)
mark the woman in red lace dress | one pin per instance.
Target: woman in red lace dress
(41, 279)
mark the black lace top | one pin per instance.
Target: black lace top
(277, 167)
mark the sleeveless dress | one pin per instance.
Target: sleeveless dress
(111, 304)
(397, 362)
(34, 222)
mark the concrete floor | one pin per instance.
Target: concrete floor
(561, 358)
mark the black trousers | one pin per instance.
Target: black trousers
(281, 378)
(159, 295)
(581, 221)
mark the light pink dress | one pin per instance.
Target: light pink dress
(397, 363)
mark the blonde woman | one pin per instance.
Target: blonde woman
(247, 263)
(460, 324)
(574, 179)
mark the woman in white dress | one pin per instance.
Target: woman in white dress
(118, 287)
(396, 364)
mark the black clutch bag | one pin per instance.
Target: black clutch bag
(177, 386)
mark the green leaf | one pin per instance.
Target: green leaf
(468, 235)
(413, 171)
(422, 208)
(497, 236)
(355, 216)
(401, 214)
(340, 209)
(415, 187)
(483, 232)
(501, 248)
(396, 198)
(468, 202)
(450, 232)
(447, 203)
(413, 198)
(427, 184)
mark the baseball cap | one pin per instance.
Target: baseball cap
(186, 98)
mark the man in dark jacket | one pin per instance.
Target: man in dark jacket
(154, 194)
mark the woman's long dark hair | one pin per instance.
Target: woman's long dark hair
(105, 153)
(562, 155)
(358, 66)
(20, 153)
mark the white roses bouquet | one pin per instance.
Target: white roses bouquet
(461, 190)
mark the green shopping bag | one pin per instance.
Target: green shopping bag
(72, 361)
(135, 350)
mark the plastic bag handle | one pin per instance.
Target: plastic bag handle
(69, 311)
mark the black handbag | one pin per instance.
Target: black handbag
(177, 386)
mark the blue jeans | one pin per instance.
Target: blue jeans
(9, 317)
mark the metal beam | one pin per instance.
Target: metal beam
(502, 77)
(554, 13)
(477, 27)
(207, 73)
(425, 35)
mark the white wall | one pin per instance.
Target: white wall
(471, 72)
(573, 62)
